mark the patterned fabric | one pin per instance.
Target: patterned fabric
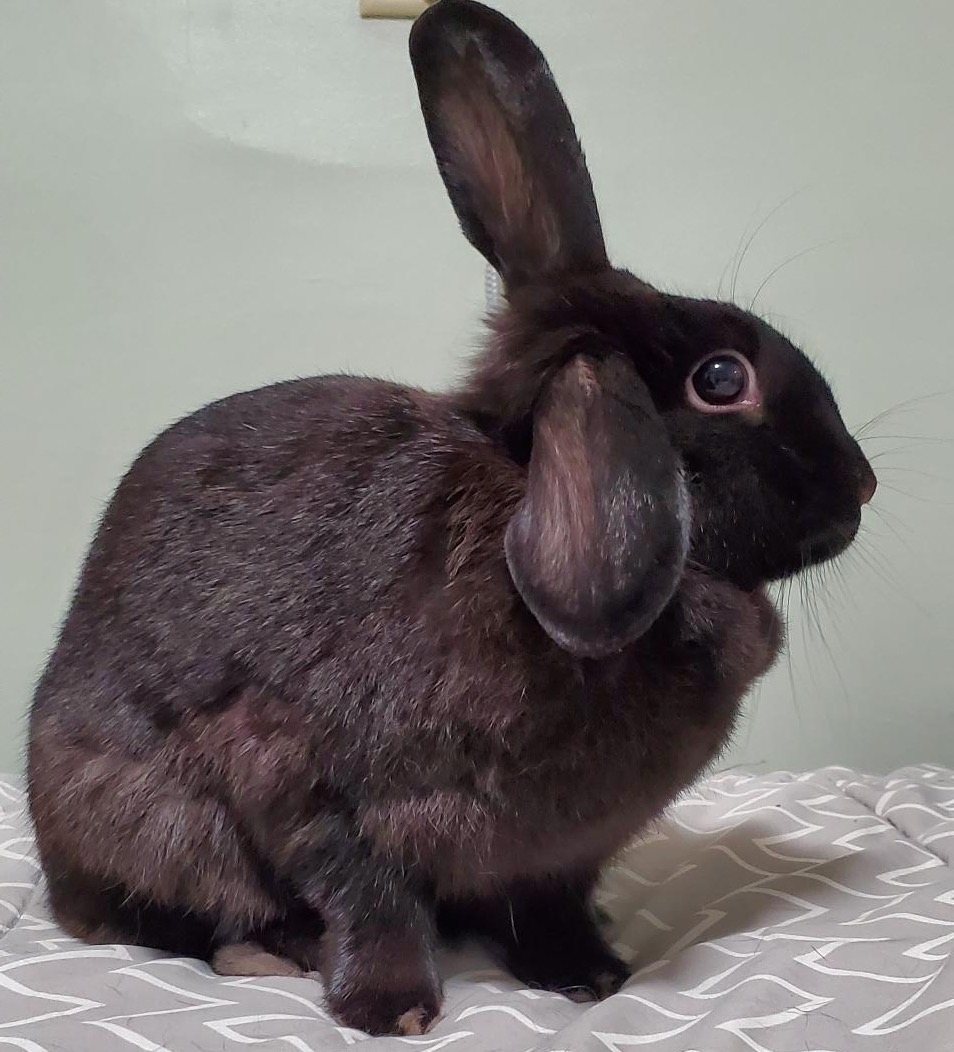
(780, 913)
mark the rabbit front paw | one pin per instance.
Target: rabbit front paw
(579, 976)
(378, 1011)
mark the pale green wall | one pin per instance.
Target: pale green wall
(201, 197)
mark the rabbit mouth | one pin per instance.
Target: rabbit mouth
(814, 548)
(827, 544)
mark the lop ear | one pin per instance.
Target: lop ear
(597, 546)
(505, 144)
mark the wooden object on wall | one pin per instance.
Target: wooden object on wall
(392, 8)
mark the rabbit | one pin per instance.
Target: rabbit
(352, 667)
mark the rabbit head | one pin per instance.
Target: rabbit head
(655, 428)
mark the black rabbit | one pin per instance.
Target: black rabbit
(351, 663)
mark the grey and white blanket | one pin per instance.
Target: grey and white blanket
(782, 912)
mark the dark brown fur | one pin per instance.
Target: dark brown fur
(299, 707)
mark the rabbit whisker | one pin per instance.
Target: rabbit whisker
(901, 407)
(755, 233)
(873, 560)
(791, 259)
(927, 439)
(735, 255)
(892, 520)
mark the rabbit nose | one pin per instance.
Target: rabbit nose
(867, 483)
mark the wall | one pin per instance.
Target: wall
(199, 196)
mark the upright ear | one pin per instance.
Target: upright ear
(597, 546)
(505, 144)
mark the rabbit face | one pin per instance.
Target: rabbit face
(697, 418)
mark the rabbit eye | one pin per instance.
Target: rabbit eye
(722, 383)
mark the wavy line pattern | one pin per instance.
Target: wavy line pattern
(763, 914)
